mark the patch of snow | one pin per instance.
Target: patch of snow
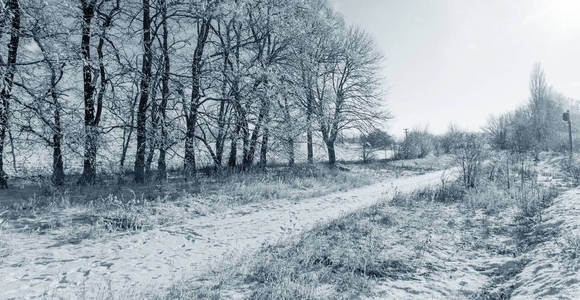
(42, 266)
(551, 272)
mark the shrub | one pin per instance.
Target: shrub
(417, 144)
(470, 155)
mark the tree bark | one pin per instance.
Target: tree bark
(232, 160)
(142, 109)
(189, 164)
(331, 153)
(153, 134)
(291, 159)
(6, 93)
(57, 162)
(310, 150)
(249, 155)
(127, 133)
(89, 161)
(161, 163)
(191, 116)
(264, 148)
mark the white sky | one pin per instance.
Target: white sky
(462, 60)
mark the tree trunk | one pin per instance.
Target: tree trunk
(331, 153)
(6, 93)
(249, 155)
(191, 118)
(232, 160)
(153, 135)
(245, 142)
(264, 148)
(161, 164)
(89, 161)
(57, 163)
(219, 150)
(309, 147)
(142, 110)
(189, 162)
(150, 154)
(291, 159)
(127, 133)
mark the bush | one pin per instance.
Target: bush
(374, 141)
(445, 193)
(470, 155)
(417, 144)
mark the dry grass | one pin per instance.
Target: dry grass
(571, 251)
(346, 258)
(282, 182)
(4, 245)
(396, 241)
(338, 260)
(79, 213)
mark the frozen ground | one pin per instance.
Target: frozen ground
(553, 271)
(469, 254)
(37, 263)
(416, 248)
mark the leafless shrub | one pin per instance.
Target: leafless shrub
(470, 155)
(417, 144)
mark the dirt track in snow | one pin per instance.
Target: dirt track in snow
(129, 264)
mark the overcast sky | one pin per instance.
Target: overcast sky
(462, 60)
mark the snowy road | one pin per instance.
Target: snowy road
(128, 264)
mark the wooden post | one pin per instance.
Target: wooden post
(566, 118)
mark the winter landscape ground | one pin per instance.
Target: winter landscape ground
(289, 149)
(404, 231)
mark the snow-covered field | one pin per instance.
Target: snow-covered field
(126, 265)
(456, 250)
(485, 246)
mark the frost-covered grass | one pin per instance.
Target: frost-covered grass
(118, 205)
(297, 182)
(571, 249)
(4, 246)
(441, 242)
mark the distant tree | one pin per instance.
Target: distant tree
(539, 101)
(451, 139)
(374, 141)
(348, 91)
(497, 131)
(417, 144)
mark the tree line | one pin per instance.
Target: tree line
(536, 126)
(173, 77)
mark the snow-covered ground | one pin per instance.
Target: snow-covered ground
(553, 271)
(458, 253)
(124, 265)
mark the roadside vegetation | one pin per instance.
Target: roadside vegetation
(77, 213)
(452, 240)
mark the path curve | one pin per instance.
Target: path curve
(127, 265)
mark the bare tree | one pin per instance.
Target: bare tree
(161, 163)
(93, 99)
(539, 94)
(144, 98)
(348, 90)
(13, 12)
